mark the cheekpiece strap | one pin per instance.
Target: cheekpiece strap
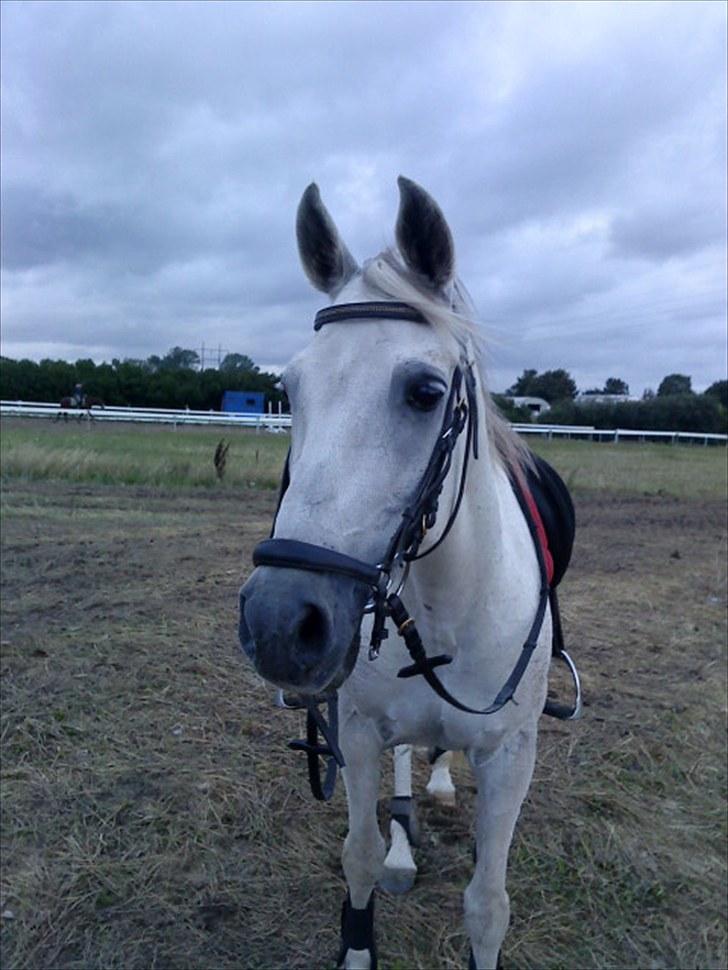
(367, 311)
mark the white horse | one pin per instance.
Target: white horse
(373, 396)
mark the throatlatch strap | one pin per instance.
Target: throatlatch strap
(425, 665)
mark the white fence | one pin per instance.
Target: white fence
(269, 422)
(281, 422)
(617, 434)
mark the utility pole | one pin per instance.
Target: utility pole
(212, 356)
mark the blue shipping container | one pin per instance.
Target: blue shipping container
(244, 402)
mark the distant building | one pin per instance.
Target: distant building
(584, 397)
(536, 405)
(244, 402)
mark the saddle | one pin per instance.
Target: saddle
(544, 498)
(556, 511)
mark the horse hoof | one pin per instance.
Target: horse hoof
(472, 965)
(398, 881)
(357, 960)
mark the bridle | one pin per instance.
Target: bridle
(461, 415)
(418, 519)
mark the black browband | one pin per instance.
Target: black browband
(367, 311)
(461, 414)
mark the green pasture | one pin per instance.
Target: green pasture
(166, 457)
(680, 471)
(155, 455)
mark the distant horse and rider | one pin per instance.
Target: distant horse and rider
(78, 401)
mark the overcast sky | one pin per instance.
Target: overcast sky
(153, 155)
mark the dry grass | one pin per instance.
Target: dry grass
(159, 456)
(153, 817)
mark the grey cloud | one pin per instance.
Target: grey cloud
(40, 228)
(665, 232)
(154, 155)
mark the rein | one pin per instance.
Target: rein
(461, 416)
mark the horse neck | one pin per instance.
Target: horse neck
(487, 560)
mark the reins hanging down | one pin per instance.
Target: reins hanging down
(419, 518)
(315, 722)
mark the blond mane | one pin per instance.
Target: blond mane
(387, 274)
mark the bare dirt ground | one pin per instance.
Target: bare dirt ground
(153, 817)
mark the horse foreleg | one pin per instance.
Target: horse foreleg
(399, 866)
(440, 786)
(364, 848)
(503, 779)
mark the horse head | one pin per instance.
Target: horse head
(368, 400)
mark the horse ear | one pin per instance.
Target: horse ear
(327, 262)
(423, 235)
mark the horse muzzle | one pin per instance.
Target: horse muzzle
(301, 629)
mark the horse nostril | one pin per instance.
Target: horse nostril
(244, 633)
(312, 628)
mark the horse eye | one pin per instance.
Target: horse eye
(424, 395)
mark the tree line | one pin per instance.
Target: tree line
(673, 407)
(175, 380)
(171, 381)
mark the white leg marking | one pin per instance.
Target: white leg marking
(357, 960)
(403, 770)
(400, 870)
(399, 866)
(440, 786)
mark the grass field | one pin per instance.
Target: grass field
(160, 456)
(139, 455)
(152, 815)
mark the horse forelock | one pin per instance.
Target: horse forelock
(452, 311)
